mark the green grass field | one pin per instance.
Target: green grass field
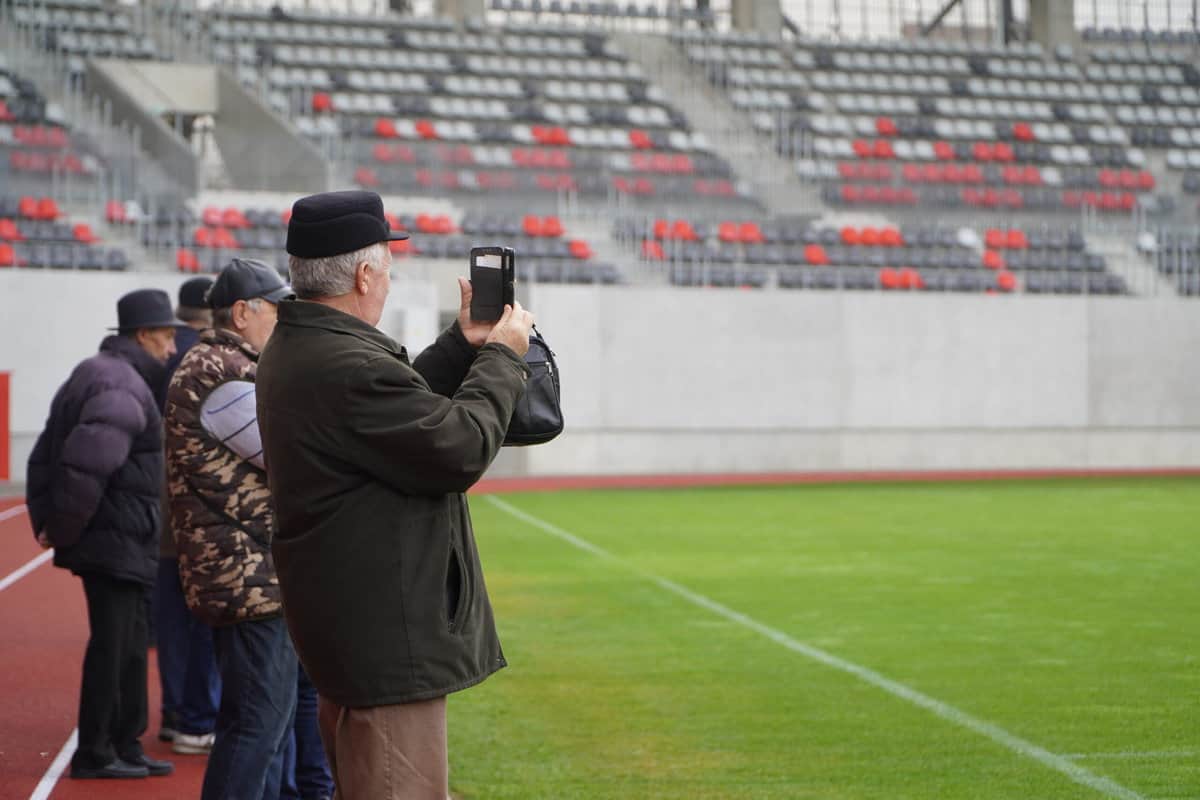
(1065, 613)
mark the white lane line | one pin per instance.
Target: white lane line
(1135, 754)
(9, 513)
(57, 767)
(16, 575)
(997, 734)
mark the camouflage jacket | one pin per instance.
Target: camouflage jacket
(219, 503)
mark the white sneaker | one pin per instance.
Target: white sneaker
(193, 744)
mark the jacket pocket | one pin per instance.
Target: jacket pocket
(456, 573)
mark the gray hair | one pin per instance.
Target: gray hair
(333, 275)
(192, 314)
(223, 317)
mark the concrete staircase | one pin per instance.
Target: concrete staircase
(727, 129)
(1141, 275)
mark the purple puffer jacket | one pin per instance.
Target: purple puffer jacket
(95, 476)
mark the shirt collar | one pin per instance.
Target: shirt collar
(306, 314)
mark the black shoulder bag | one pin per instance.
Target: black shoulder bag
(538, 417)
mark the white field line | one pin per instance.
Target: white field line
(20, 572)
(1133, 755)
(1058, 763)
(57, 767)
(9, 513)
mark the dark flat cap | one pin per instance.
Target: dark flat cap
(333, 223)
(146, 308)
(246, 279)
(193, 291)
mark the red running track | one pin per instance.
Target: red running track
(43, 633)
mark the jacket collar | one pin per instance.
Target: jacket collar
(305, 314)
(223, 336)
(128, 350)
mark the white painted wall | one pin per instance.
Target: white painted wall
(673, 380)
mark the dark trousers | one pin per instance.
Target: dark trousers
(187, 667)
(112, 698)
(258, 705)
(306, 774)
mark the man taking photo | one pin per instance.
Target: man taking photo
(369, 456)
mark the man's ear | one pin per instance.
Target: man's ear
(362, 278)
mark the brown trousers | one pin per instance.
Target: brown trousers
(393, 752)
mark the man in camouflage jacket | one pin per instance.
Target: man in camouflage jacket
(221, 515)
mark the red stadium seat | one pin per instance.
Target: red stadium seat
(8, 257)
(425, 129)
(994, 238)
(114, 212)
(652, 250)
(1109, 179)
(869, 236)
(1023, 132)
(1002, 151)
(871, 194)
(552, 227)
(322, 102)
(9, 231)
(662, 229)
(365, 176)
(850, 194)
(982, 151)
(906, 196)
(682, 229)
(1145, 180)
(531, 225)
(385, 128)
(891, 237)
(682, 164)
(233, 218)
(849, 235)
(993, 260)
(912, 172)
(400, 247)
(579, 249)
(383, 153)
(1016, 240)
(1071, 199)
(5, 114)
(27, 207)
(285, 216)
(1126, 201)
(1006, 281)
(909, 278)
(815, 254)
(203, 237)
(210, 217)
(943, 151)
(889, 278)
(847, 170)
(883, 149)
(862, 148)
(1127, 179)
(885, 126)
(83, 233)
(750, 233)
(186, 261)
(1032, 176)
(953, 173)
(729, 232)
(640, 139)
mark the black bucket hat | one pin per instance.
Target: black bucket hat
(332, 223)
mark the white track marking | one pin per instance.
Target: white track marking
(9, 513)
(57, 767)
(1058, 763)
(21, 572)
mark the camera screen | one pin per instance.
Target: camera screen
(491, 261)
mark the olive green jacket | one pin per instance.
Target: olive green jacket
(368, 457)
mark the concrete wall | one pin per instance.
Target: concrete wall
(260, 149)
(161, 143)
(669, 380)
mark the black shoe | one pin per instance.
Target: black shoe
(114, 769)
(152, 766)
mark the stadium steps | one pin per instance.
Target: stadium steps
(597, 232)
(1141, 276)
(727, 129)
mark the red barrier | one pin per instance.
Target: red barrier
(4, 431)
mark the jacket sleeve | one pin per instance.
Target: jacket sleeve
(444, 363)
(37, 481)
(94, 449)
(419, 442)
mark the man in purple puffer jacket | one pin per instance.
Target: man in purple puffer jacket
(95, 482)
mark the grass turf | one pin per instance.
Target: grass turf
(1066, 612)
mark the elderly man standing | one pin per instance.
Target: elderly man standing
(94, 494)
(369, 457)
(223, 524)
(187, 671)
